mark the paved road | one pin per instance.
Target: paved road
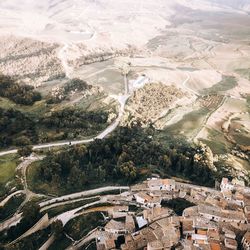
(82, 194)
(48, 243)
(23, 167)
(3, 202)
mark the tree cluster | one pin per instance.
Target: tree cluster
(73, 85)
(20, 94)
(16, 128)
(31, 215)
(25, 151)
(120, 159)
(75, 120)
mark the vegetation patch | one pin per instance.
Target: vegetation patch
(72, 86)
(11, 206)
(16, 128)
(64, 208)
(80, 226)
(20, 94)
(60, 243)
(119, 159)
(178, 205)
(244, 73)
(40, 120)
(30, 215)
(227, 83)
(73, 122)
(8, 166)
(31, 242)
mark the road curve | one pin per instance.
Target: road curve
(184, 84)
(122, 99)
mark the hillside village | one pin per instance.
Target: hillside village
(219, 220)
(125, 125)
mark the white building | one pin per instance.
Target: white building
(161, 184)
(226, 185)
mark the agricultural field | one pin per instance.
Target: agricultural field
(8, 166)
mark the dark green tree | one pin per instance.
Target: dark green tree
(31, 211)
(25, 151)
(57, 228)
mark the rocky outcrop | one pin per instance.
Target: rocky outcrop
(205, 155)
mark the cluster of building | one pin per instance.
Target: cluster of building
(218, 219)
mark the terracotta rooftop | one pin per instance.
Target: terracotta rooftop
(215, 246)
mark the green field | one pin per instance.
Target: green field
(244, 73)
(34, 182)
(227, 83)
(189, 125)
(8, 165)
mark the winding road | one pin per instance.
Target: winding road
(184, 84)
(122, 99)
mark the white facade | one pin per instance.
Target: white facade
(226, 185)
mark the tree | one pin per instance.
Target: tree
(20, 94)
(57, 228)
(166, 162)
(22, 141)
(31, 211)
(25, 151)
(128, 170)
(76, 177)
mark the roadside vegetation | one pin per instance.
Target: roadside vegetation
(60, 243)
(73, 122)
(66, 207)
(18, 129)
(82, 225)
(8, 166)
(30, 215)
(28, 118)
(31, 242)
(128, 156)
(11, 206)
